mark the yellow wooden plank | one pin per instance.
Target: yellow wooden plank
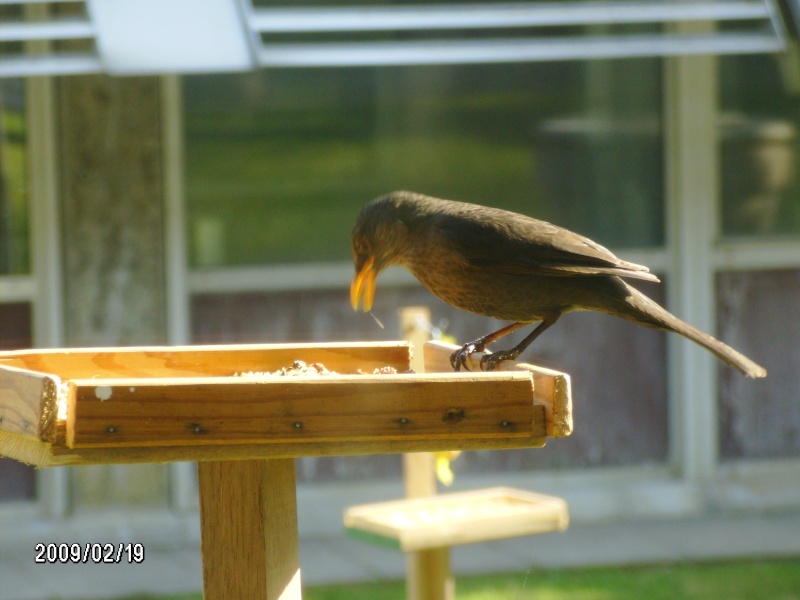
(144, 412)
(460, 518)
(199, 361)
(28, 402)
(33, 396)
(552, 389)
(27, 449)
(42, 454)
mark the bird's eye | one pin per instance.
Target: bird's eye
(362, 248)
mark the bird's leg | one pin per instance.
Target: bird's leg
(490, 361)
(459, 358)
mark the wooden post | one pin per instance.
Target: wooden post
(428, 571)
(428, 576)
(412, 330)
(248, 522)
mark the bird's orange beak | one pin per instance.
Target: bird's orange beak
(363, 286)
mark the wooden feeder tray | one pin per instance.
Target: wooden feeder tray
(460, 518)
(115, 405)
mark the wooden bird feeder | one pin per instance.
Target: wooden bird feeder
(453, 519)
(161, 404)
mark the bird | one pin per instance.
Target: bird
(508, 266)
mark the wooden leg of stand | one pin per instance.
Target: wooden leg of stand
(429, 576)
(428, 571)
(248, 523)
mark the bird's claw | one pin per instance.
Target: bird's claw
(458, 358)
(489, 362)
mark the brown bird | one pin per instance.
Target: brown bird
(508, 266)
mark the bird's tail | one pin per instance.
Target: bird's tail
(647, 312)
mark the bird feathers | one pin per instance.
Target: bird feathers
(520, 245)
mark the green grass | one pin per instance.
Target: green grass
(751, 580)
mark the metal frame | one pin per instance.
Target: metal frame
(37, 31)
(518, 50)
(536, 47)
(259, 24)
(486, 16)
(692, 168)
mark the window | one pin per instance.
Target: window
(14, 258)
(757, 309)
(759, 120)
(759, 227)
(19, 480)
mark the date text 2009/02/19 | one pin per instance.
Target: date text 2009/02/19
(89, 552)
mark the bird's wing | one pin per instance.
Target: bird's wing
(525, 246)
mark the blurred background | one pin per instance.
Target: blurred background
(174, 173)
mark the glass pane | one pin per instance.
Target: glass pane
(139, 485)
(279, 162)
(759, 315)
(17, 481)
(13, 190)
(760, 98)
(16, 326)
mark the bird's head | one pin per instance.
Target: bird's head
(379, 239)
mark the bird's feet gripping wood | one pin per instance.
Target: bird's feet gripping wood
(489, 361)
(458, 358)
